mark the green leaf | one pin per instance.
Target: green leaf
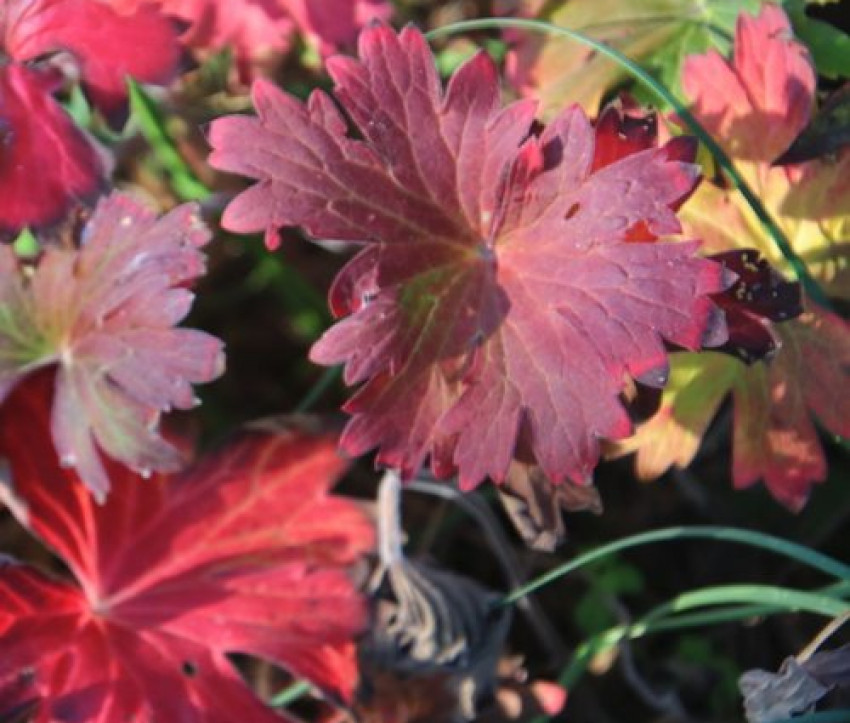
(830, 46)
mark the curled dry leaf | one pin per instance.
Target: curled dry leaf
(499, 280)
(104, 315)
(246, 552)
(796, 687)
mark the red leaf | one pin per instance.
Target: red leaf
(105, 313)
(108, 45)
(497, 283)
(243, 553)
(45, 163)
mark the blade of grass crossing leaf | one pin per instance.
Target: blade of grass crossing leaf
(290, 694)
(797, 264)
(800, 553)
(329, 377)
(149, 118)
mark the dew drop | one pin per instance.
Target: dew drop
(68, 460)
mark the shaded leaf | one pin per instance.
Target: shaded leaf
(796, 687)
(104, 315)
(498, 279)
(826, 134)
(758, 296)
(245, 552)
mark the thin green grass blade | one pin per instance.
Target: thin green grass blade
(777, 545)
(760, 600)
(146, 113)
(289, 695)
(797, 264)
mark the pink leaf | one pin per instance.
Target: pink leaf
(104, 313)
(498, 281)
(243, 553)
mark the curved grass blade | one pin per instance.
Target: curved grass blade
(792, 550)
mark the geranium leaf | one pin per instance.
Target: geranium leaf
(659, 34)
(108, 44)
(245, 552)
(38, 179)
(756, 104)
(774, 436)
(498, 280)
(758, 296)
(104, 314)
(46, 164)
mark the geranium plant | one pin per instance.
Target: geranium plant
(522, 287)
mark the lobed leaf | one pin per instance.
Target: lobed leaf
(39, 179)
(104, 315)
(257, 29)
(775, 403)
(245, 552)
(499, 279)
(46, 164)
(659, 34)
(108, 44)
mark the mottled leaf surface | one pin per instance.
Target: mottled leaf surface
(104, 314)
(245, 552)
(497, 280)
(776, 403)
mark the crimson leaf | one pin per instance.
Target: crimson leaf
(38, 179)
(107, 44)
(498, 304)
(245, 552)
(46, 163)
